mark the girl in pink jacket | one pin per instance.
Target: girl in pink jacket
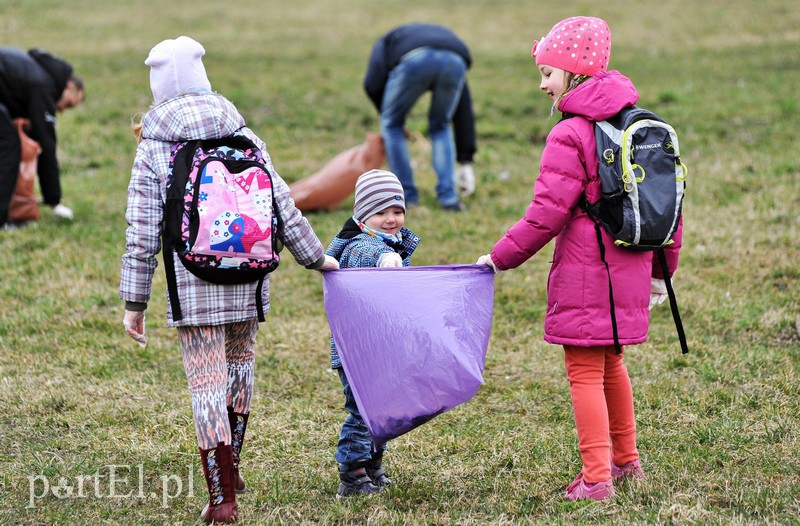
(573, 62)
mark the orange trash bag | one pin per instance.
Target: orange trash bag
(24, 204)
(337, 180)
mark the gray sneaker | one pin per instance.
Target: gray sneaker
(376, 473)
(378, 477)
(355, 482)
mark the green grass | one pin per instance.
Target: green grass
(718, 428)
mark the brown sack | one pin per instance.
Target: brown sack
(337, 180)
(24, 204)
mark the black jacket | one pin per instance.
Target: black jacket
(386, 54)
(30, 86)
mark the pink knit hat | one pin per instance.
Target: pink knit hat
(579, 44)
(175, 66)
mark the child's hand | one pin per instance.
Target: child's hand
(486, 259)
(331, 263)
(658, 292)
(134, 326)
(390, 259)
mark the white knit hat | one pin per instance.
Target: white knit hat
(377, 190)
(175, 66)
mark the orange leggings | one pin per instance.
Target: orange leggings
(602, 400)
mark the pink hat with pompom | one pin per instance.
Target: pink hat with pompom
(579, 44)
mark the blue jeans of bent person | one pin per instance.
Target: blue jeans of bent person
(355, 442)
(442, 73)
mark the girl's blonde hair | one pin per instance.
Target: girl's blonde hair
(571, 81)
(136, 126)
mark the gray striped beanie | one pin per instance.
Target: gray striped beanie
(377, 190)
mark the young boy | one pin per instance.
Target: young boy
(373, 237)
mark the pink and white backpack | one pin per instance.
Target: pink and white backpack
(220, 216)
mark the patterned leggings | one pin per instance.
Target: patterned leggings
(219, 362)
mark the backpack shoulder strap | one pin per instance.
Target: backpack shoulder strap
(170, 234)
(613, 310)
(172, 282)
(614, 127)
(237, 140)
(259, 302)
(673, 302)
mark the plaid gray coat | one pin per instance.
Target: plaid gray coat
(189, 117)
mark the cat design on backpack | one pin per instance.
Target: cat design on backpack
(220, 217)
(643, 181)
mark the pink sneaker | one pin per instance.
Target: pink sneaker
(632, 469)
(580, 490)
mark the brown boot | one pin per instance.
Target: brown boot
(218, 470)
(238, 423)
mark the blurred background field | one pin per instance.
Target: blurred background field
(719, 432)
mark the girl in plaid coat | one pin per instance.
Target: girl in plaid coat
(218, 330)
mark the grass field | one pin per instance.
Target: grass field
(95, 430)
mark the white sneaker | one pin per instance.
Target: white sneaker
(465, 179)
(63, 212)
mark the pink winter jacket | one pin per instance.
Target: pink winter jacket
(578, 310)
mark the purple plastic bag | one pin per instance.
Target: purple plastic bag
(412, 340)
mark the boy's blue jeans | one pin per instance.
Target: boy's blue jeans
(442, 73)
(355, 442)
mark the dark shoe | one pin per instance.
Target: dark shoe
(455, 207)
(238, 423)
(355, 481)
(218, 470)
(376, 473)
